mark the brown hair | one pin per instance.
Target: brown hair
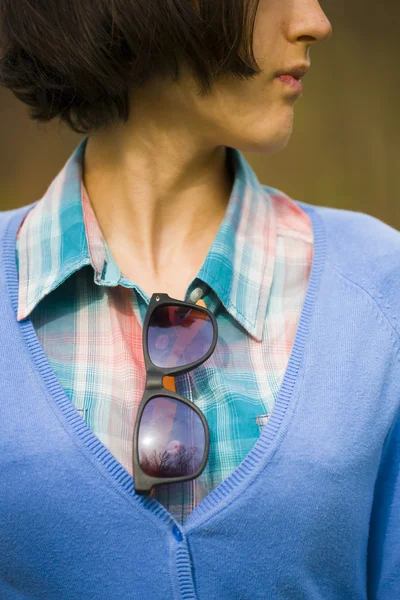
(78, 60)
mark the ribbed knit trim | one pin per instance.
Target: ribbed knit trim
(256, 459)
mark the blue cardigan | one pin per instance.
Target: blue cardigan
(312, 512)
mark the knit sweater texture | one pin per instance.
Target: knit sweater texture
(311, 513)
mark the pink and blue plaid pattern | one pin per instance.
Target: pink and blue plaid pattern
(89, 317)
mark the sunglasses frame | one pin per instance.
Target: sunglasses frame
(143, 483)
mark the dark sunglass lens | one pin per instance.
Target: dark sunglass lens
(178, 336)
(171, 439)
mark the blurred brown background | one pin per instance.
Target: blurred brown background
(344, 147)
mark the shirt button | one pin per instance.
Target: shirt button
(196, 294)
(177, 533)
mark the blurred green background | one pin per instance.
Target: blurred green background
(344, 147)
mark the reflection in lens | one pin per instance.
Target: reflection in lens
(178, 336)
(171, 440)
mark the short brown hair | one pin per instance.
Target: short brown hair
(78, 60)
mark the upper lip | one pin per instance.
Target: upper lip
(296, 72)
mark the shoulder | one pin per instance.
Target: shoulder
(6, 216)
(366, 251)
(360, 245)
(370, 239)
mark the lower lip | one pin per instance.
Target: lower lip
(291, 82)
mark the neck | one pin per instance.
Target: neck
(161, 205)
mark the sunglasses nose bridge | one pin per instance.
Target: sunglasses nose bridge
(154, 379)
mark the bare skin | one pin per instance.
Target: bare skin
(159, 184)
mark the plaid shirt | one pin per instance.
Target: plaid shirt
(89, 318)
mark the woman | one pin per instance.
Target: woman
(296, 389)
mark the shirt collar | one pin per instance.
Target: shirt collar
(61, 235)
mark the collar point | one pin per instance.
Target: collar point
(257, 334)
(22, 314)
(256, 330)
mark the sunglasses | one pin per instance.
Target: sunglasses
(171, 440)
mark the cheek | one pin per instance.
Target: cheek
(267, 38)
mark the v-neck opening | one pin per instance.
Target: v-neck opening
(121, 480)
